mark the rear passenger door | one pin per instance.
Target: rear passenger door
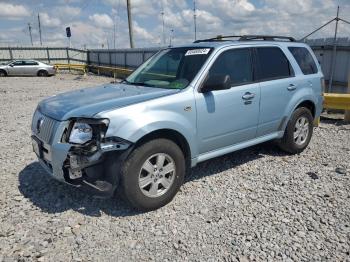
(228, 117)
(31, 67)
(310, 77)
(277, 83)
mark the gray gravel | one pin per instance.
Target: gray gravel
(255, 204)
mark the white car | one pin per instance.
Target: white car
(26, 68)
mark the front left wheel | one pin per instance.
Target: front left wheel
(153, 174)
(3, 73)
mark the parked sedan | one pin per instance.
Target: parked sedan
(26, 68)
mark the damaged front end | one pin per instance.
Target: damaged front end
(93, 160)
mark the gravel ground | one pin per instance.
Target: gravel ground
(255, 204)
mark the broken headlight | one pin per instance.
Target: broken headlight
(85, 130)
(81, 133)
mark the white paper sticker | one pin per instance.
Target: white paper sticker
(203, 51)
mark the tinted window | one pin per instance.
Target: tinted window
(30, 63)
(235, 63)
(273, 64)
(304, 59)
(18, 63)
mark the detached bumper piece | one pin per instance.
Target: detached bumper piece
(95, 167)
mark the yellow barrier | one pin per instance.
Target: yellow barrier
(79, 67)
(336, 101)
(114, 70)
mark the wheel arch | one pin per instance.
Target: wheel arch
(3, 70)
(42, 70)
(171, 135)
(308, 104)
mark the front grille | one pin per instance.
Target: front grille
(43, 127)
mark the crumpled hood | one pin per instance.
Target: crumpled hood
(89, 101)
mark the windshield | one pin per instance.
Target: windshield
(171, 68)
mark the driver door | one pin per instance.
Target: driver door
(229, 117)
(17, 68)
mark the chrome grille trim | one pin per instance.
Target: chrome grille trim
(47, 128)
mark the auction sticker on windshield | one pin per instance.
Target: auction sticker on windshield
(203, 51)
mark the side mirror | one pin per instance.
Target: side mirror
(216, 82)
(11, 65)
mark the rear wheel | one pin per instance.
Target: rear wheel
(42, 73)
(298, 132)
(3, 73)
(153, 174)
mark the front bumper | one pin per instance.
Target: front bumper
(97, 173)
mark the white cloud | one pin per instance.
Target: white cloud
(102, 20)
(49, 21)
(142, 34)
(12, 11)
(68, 11)
(93, 28)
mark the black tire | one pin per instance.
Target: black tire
(131, 169)
(3, 73)
(42, 73)
(287, 142)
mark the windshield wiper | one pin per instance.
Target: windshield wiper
(137, 83)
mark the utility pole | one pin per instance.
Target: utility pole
(195, 20)
(114, 30)
(171, 37)
(334, 58)
(41, 42)
(163, 26)
(131, 38)
(30, 33)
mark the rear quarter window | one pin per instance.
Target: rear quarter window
(304, 59)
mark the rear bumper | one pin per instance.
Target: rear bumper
(52, 71)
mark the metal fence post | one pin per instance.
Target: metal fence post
(48, 54)
(347, 112)
(88, 62)
(11, 55)
(143, 56)
(98, 61)
(68, 59)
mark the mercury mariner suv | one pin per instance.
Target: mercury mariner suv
(183, 106)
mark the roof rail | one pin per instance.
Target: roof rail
(247, 38)
(218, 38)
(266, 38)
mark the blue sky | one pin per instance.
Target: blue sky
(93, 21)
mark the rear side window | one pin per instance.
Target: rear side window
(30, 63)
(304, 59)
(237, 64)
(273, 64)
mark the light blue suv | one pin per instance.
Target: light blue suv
(183, 106)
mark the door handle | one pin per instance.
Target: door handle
(248, 96)
(292, 87)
